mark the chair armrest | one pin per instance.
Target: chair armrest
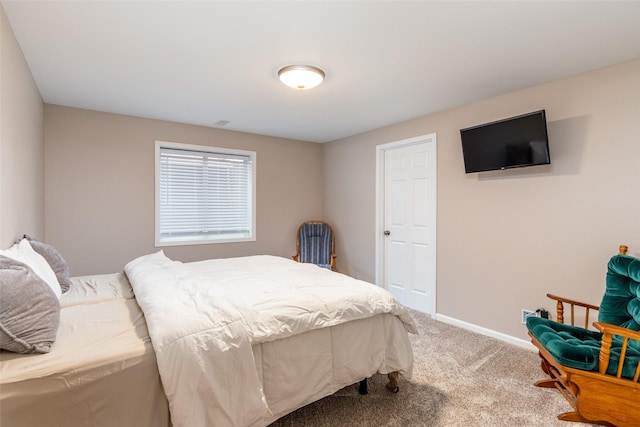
(560, 301)
(608, 328)
(608, 331)
(570, 301)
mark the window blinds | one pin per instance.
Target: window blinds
(204, 195)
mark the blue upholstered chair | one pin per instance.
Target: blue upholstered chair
(315, 244)
(597, 371)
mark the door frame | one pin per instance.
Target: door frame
(380, 209)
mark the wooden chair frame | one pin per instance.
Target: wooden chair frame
(596, 397)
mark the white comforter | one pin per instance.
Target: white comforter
(204, 317)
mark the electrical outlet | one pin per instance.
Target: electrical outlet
(526, 314)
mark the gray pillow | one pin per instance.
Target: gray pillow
(29, 310)
(55, 261)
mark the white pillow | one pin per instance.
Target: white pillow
(23, 252)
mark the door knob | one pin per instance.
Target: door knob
(387, 232)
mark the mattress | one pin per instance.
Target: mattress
(101, 370)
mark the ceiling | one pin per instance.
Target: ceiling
(385, 62)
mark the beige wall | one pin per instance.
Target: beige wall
(505, 239)
(100, 188)
(21, 144)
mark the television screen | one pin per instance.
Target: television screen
(509, 143)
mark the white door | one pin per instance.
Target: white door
(408, 221)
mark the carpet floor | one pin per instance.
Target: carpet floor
(460, 378)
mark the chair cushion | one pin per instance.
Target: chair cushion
(621, 306)
(315, 244)
(621, 301)
(572, 346)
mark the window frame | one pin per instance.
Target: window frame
(161, 241)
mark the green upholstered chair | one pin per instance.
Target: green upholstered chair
(315, 243)
(597, 371)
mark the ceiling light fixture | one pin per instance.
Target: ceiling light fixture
(301, 77)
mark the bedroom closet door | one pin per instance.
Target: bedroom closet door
(406, 220)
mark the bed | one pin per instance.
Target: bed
(238, 342)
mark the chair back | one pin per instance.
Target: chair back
(315, 243)
(621, 301)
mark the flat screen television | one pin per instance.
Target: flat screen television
(509, 143)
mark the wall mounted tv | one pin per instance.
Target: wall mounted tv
(509, 143)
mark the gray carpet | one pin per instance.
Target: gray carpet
(460, 378)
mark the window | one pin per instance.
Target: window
(204, 194)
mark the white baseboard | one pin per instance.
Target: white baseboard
(484, 331)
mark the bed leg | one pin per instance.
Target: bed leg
(364, 387)
(393, 382)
